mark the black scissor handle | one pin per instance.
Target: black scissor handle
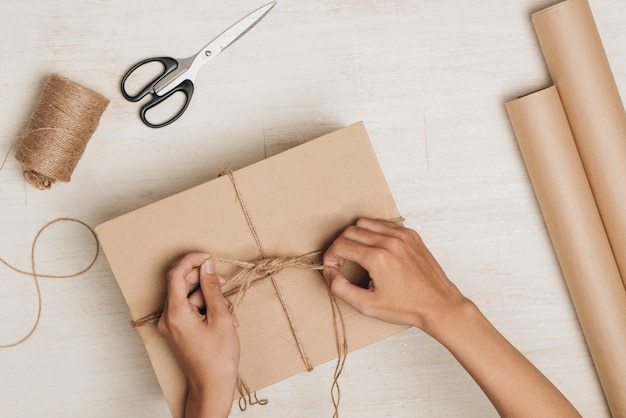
(169, 65)
(186, 87)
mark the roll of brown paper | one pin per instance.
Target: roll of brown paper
(580, 242)
(580, 70)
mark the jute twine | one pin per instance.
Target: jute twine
(266, 268)
(36, 276)
(64, 120)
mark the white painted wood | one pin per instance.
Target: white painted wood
(429, 78)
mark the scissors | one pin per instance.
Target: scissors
(178, 74)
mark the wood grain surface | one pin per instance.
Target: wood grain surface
(428, 77)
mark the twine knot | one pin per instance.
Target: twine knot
(270, 266)
(265, 268)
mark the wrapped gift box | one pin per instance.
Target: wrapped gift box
(297, 202)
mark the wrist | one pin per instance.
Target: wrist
(451, 318)
(205, 402)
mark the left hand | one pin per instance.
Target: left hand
(205, 344)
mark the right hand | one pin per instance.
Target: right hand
(407, 285)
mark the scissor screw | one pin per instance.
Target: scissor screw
(207, 53)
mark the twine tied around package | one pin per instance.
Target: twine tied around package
(62, 124)
(266, 268)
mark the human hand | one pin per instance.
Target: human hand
(202, 331)
(407, 285)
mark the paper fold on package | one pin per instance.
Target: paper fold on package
(298, 202)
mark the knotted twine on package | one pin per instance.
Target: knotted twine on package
(289, 205)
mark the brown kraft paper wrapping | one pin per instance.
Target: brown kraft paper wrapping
(580, 69)
(577, 233)
(298, 201)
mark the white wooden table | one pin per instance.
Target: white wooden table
(429, 78)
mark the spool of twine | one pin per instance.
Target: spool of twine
(64, 120)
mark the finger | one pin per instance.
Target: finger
(365, 236)
(367, 232)
(212, 290)
(347, 249)
(380, 226)
(162, 323)
(193, 279)
(386, 234)
(197, 299)
(180, 281)
(355, 296)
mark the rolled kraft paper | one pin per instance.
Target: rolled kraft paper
(580, 70)
(577, 234)
(62, 124)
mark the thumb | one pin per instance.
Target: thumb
(211, 288)
(341, 287)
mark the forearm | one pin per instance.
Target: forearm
(207, 405)
(408, 286)
(514, 386)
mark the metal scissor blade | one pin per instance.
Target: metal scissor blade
(189, 67)
(236, 31)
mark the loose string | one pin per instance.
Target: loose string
(246, 397)
(36, 276)
(342, 352)
(6, 156)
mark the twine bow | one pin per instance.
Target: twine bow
(266, 268)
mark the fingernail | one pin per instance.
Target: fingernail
(209, 266)
(221, 279)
